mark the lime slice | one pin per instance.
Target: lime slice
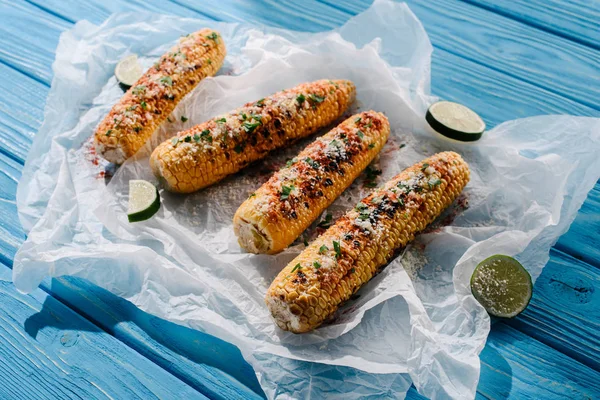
(128, 71)
(455, 121)
(502, 286)
(144, 201)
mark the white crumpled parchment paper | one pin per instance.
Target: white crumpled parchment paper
(416, 322)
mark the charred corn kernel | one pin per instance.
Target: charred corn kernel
(154, 96)
(281, 209)
(208, 152)
(351, 252)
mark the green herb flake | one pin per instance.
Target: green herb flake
(196, 137)
(205, 135)
(209, 61)
(370, 124)
(221, 120)
(316, 98)
(291, 162)
(360, 206)
(187, 139)
(244, 117)
(326, 223)
(312, 162)
(323, 249)
(252, 195)
(305, 242)
(137, 129)
(213, 36)
(249, 127)
(352, 270)
(260, 103)
(166, 80)
(334, 84)
(403, 145)
(297, 267)
(184, 119)
(424, 167)
(317, 265)
(337, 249)
(108, 132)
(174, 141)
(371, 145)
(169, 119)
(364, 215)
(433, 182)
(285, 191)
(357, 120)
(360, 134)
(300, 98)
(144, 105)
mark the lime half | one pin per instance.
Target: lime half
(128, 71)
(144, 201)
(502, 286)
(455, 121)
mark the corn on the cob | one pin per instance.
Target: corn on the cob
(311, 287)
(208, 152)
(281, 209)
(154, 96)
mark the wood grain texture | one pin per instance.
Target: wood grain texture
(505, 96)
(49, 352)
(577, 20)
(518, 50)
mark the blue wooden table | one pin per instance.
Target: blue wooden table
(505, 59)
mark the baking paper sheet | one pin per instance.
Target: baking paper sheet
(416, 322)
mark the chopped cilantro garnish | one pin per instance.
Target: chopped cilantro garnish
(221, 120)
(252, 195)
(360, 134)
(205, 134)
(305, 242)
(433, 182)
(196, 137)
(337, 248)
(317, 264)
(184, 119)
(297, 267)
(250, 126)
(334, 84)
(187, 139)
(169, 119)
(137, 129)
(316, 98)
(424, 167)
(352, 270)
(244, 116)
(371, 145)
(209, 61)
(312, 162)
(166, 80)
(144, 105)
(364, 215)
(108, 132)
(372, 174)
(300, 99)
(323, 249)
(213, 36)
(285, 191)
(326, 223)
(174, 141)
(139, 89)
(360, 206)
(256, 117)
(403, 145)
(260, 102)
(289, 163)
(369, 125)
(357, 120)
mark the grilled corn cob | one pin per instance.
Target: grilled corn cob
(208, 152)
(336, 264)
(281, 209)
(154, 96)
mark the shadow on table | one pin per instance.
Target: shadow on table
(201, 360)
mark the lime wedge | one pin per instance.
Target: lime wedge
(144, 201)
(455, 121)
(502, 286)
(128, 71)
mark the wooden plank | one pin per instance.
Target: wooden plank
(577, 20)
(565, 310)
(506, 45)
(48, 351)
(583, 238)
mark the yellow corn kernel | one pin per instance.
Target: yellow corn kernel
(208, 152)
(281, 209)
(148, 103)
(364, 240)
